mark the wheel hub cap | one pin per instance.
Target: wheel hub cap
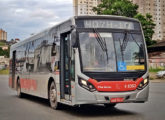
(53, 95)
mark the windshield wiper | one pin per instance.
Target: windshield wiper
(106, 50)
(140, 48)
(125, 42)
(99, 39)
(123, 45)
(135, 41)
(101, 42)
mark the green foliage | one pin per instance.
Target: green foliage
(2, 44)
(4, 72)
(148, 27)
(156, 69)
(128, 9)
(4, 52)
(116, 7)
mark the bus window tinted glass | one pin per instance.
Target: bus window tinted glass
(97, 51)
(130, 51)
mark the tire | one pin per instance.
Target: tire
(110, 105)
(19, 93)
(53, 97)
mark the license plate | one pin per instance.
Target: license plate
(116, 100)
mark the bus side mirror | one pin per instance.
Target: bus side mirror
(73, 39)
(54, 50)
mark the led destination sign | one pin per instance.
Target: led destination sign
(104, 23)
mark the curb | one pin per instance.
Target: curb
(157, 81)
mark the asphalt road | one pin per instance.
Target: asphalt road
(33, 108)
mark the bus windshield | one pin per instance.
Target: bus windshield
(111, 52)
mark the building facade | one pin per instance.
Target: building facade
(3, 35)
(157, 9)
(84, 7)
(157, 55)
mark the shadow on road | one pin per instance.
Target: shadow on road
(96, 110)
(83, 110)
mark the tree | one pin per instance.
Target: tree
(116, 7)
(148, 27)
(4, 52)
(1, 52)
(128, 9)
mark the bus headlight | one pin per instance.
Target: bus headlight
(85, 84)
(143, 84)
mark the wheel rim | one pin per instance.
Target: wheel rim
(52, 94)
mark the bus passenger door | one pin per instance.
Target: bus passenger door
(65, 62)
(13, 68)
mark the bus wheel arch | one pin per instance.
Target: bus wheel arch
(49, 83)
(52, 94)
(18, 88)
(18, 79)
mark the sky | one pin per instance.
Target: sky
(21, 18)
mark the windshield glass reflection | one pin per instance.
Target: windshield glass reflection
(94, 57)
(111, 52)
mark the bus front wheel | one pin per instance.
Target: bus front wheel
(53, 97)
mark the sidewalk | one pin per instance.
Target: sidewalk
(154, 79)
(157, 81)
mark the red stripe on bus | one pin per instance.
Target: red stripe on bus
(57, 72)
(139, 80)
(10, 81)
(115, 86)
(28, 84)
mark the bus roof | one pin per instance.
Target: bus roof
(46, 31)
(105, 16)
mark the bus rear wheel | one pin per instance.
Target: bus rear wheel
(53, 97)
(19, 93)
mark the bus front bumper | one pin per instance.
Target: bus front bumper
(87, 97)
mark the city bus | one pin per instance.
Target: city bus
(83, 60)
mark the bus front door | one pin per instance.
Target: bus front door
(65, 62)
